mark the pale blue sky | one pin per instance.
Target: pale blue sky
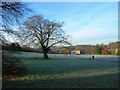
(86, 22)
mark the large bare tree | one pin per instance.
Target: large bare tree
(44, 33)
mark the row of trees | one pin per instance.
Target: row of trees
(111, 48)
(17, 47)
(12, 47)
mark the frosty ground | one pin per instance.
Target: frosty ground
(66, 71)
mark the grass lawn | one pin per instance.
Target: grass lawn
(66, 71)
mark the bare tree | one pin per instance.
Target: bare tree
(11, 14)
(44, 33)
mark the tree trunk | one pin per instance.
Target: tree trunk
(45, 56)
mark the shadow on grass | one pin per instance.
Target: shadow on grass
(50, 58)
(101, 81)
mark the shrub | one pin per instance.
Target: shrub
(12, 66)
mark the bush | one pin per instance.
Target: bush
(12, 66)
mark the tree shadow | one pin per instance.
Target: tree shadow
(100, 81)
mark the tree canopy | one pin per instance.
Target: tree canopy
(44, 33)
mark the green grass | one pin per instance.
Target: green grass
(64, 71)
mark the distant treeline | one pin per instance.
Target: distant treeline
(111, 48)
(17, 47)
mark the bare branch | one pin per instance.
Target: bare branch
(13, 14)
(48, 33)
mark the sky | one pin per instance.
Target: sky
(86, 22)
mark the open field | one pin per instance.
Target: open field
(66, 71)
